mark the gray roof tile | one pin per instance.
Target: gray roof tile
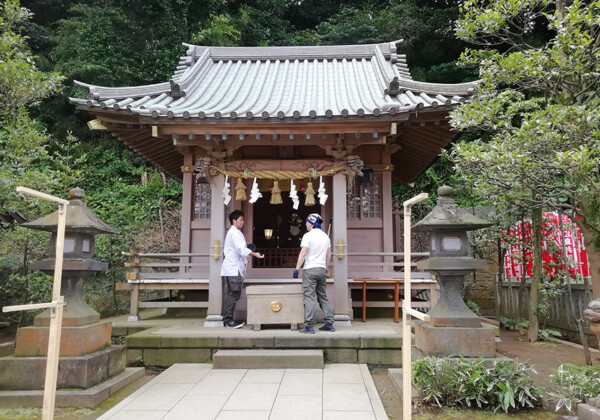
(281, 82)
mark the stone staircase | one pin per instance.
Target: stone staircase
(268, 359)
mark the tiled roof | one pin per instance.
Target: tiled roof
(281, 82)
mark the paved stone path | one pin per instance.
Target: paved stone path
(197, 391)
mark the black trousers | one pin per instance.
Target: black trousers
(233, 290)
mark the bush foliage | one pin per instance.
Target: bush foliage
(458, 382)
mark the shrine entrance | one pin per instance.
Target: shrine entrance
(278, 229)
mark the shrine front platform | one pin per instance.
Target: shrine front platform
(158, 340)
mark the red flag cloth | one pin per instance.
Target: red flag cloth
(515, 237)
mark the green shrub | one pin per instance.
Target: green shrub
(507, 323)
(465, 383)
(577, 385)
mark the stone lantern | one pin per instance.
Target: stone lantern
(453, 329)
(87, 358)
(78, 263)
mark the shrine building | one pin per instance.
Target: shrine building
(323, 129)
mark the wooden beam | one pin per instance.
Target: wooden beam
(282, 129)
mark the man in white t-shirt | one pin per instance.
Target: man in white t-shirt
(233, 269)
(315, 255)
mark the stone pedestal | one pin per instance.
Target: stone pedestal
(28, 373)
(279, 304)
(588, 412)
(74, 341)
(455, 341)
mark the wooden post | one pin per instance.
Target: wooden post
(340, 239)
(56, 307)
(217, 232)
(407, 311)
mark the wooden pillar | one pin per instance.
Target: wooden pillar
(187, 205)
(339, 244)
(214, 317)
(387, 209)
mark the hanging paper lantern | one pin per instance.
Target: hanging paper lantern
(240, 190)
(310, 195)
(276, 193)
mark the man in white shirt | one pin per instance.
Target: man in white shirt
(315, 255)
(233, 269)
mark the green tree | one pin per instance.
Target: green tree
(23, 157)
(538, 105)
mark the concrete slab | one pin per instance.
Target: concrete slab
(247, 394)
(294, 408)
(252, 398)
(346, 397)
(267, 359)
(302, 384)
(342, 374)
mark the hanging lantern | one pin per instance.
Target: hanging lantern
(276, 193)
(240, 190)
(310, 195)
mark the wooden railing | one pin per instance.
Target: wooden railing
(381, 289)
(277, 258)
(168, 272)
(559, 314)
(188, 272)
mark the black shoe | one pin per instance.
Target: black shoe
(234, 324)
(307, 330)
(327, 327)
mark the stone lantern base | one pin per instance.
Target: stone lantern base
(74, 341)
(455, 341)
(28, 373)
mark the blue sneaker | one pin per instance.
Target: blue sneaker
(327, 327)
(307, 330)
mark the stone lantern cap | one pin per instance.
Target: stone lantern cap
(446, 215)
(79, 218)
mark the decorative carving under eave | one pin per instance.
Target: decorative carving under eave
(338, 151)
(203, 168)
(355, 164)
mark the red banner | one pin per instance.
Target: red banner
(577, 261)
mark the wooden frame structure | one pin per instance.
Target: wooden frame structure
(56, 306)
(282, 110)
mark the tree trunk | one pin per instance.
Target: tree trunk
(499, 292)
(536, 279)
(523, 283)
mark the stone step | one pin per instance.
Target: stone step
(268, 359)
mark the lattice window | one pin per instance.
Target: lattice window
(363, 200)
(202, 201)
